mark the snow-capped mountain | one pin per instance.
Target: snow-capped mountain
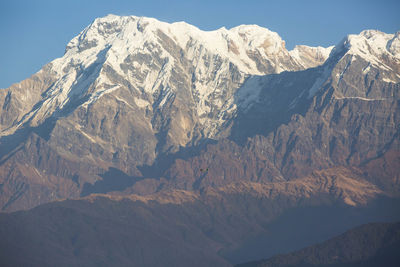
(376, 52)
(138, 99)
(154, 62)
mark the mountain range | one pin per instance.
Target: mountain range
(212, 137)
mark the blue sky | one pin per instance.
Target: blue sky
(35, 32)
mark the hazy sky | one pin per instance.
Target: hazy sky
(34, 32)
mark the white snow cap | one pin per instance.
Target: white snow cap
(371, 45)
(255, 36)
(128, 33)
(375, 47)
(111, 41)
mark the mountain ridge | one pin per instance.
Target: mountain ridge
(97, 33)
(372, 244)
(214, 229)
(140, 106)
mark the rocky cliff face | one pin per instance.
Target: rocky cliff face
(343, 113)
(138, 106)
(126, 91)
(187, 147)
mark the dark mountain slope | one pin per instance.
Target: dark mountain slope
(217, 227)
(375, 244)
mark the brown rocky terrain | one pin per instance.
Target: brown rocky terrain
(214, 227)
(98, 107)
(207, 145)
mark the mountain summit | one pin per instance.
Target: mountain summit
(151, 103)
(163, 145)
(146, 56)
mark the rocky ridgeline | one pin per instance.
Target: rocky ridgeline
(139, 106)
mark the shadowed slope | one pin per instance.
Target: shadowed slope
(370, 245)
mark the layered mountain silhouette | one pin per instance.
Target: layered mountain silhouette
(198, 130)
(217, 227)
(375, 244)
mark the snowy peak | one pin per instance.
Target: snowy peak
(310, 56)
(154, 61)
(254, 37)
(128, 45)
(240, 44)
(131, 93)
(380, 49)
(371, 56)
(374, 42)
(101, 29)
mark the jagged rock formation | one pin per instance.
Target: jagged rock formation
(126, 91)
(206, 145)
(140, 106)
(343, 113)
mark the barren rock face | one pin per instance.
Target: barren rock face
(139, 106)
(159, 144)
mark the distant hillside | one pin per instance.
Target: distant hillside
(216, 227)
(374, 244)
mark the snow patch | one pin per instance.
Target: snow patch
(388, 80)
(123, 101)
(141, 103)
(323, 77)
(367, 68)
(95, 96)
(249, 93)
(360, 98)
(294, 102)
(345, 69)
(79, 128)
